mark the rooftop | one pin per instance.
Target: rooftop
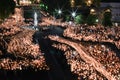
(110, 0)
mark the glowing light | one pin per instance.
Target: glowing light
(116, 24)
(108, 10)
(89, 2)
(59, 11)
(72, 2)
(96, 20)
(92, 11)
(73, 14)
(25, 2)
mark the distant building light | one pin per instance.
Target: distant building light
(25, 2)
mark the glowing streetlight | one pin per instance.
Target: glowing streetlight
(59, 11)
(92, 11)
(108, 10)
(96, 20)
(72, 3)
(89, 2)
(73, 14)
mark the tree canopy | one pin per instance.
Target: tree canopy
(55, 4)
(6, 8)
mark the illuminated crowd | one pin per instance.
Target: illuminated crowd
(100, 52)
(94, 33)
(18, 47)
(27, 54)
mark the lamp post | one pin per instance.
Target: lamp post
(73, 14)
(59, 13)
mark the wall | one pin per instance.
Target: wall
(115, 8)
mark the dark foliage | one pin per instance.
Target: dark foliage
(6, 8)
(107, 19)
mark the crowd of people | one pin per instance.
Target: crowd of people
(17, 49)
(94, 33)
(22, 52)
(100, 52)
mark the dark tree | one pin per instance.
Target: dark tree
(107, 19)
(6, 8)
(55, 4)
(91, 19)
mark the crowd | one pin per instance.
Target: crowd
(21, 52)
(93, 39)
(100, 52)
(94, 33)
(17, 50)
(47, 21)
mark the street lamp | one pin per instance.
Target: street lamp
(92, 11)
(108, 10)
(96, 20)
(89, 2)
(73, 14)
(72, 2)
(59, 11)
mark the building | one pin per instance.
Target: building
(26, 2)
(115, 9)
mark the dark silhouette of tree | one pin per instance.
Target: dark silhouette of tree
(55, 4)
(6, 8)
(91, 19)
(107, 19)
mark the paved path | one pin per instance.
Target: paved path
(83, 54)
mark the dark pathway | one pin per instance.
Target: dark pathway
(59, 70)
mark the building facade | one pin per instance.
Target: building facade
(26, 2)
(115, 10)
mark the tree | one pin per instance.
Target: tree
(56, 4)
(107, 19)
(6, 8)
(79, 19)
(96, 3)
(43, 6)
(91, 19)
